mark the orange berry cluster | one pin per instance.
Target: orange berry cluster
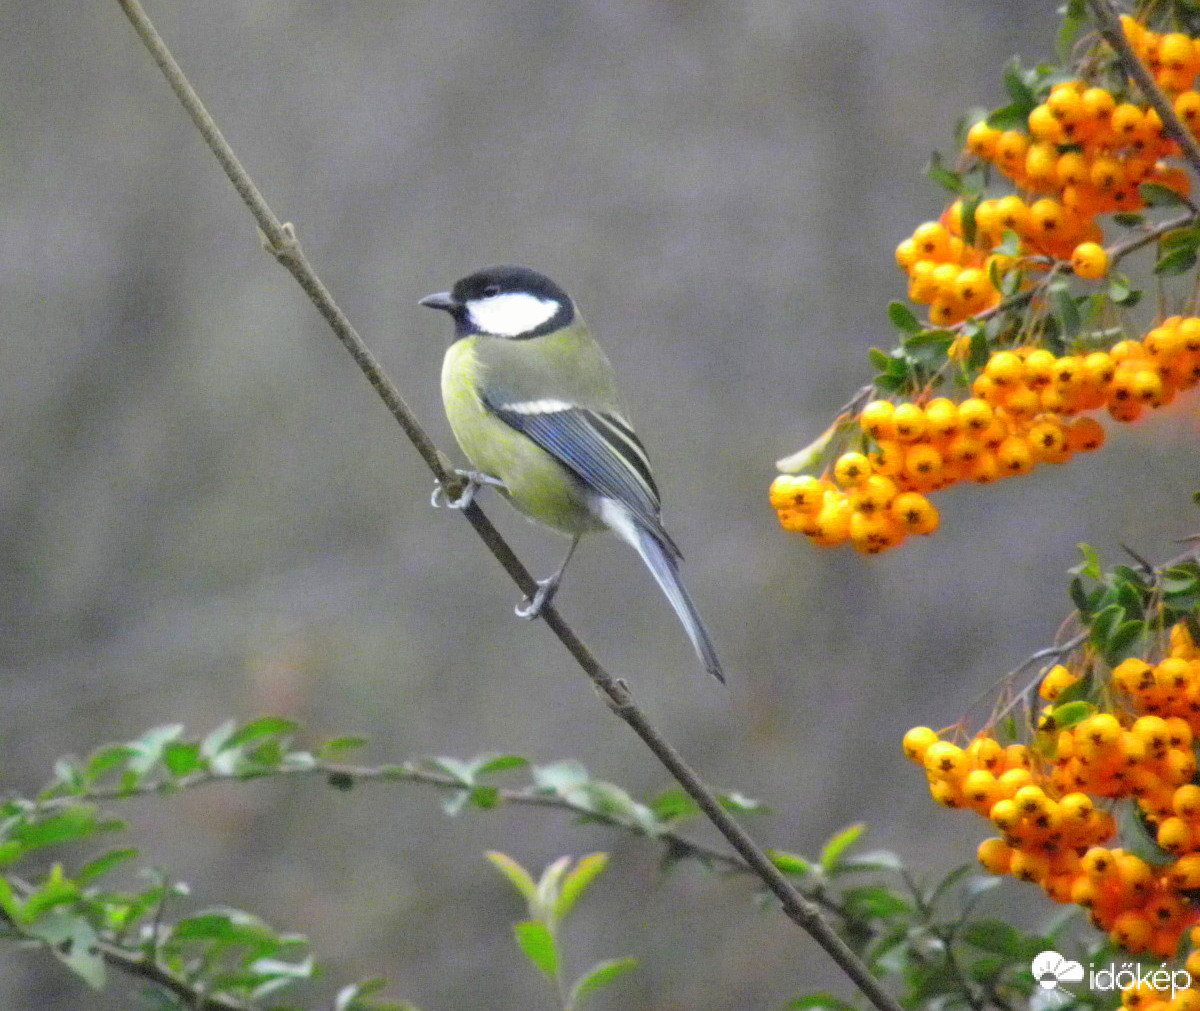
(1172, 58)
(1048, 800)
(1027, 409)
(1084, 153)
(1028, 383)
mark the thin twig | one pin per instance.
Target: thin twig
(343, 775)
(282, 243)
(1118, 250)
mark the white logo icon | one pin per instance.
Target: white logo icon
(1051, 970)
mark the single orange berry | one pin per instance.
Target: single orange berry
(975, 415)
(932, 240)
(1015, 455)
(917, 741)
(914, 512)
(1044, 125)
(851, 469)
(923, 463)
(1004, 368)
(981, 140)
(831, 525)
(995, 855)
(871, 533)
(908, 422)
(1089, 261)
(1012, 214)
(873, 495)
(876, 419)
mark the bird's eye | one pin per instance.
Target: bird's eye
(491, 291)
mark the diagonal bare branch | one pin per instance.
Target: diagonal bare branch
(282, 243)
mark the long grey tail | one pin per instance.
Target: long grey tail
(663, 564)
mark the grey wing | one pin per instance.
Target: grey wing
(599, 447)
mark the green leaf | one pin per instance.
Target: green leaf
(1102, 623)
(276, 969)
(597, 977)
(1090, 566)
(1180, 238)
(1081, 599)
(739, 803)
(548, 888)
(1074, 18)
(987, 970)
(608, 798)
(149, 748)
(994, 936)
(577, 882)
(902, 318)
(943, 176)
(265, 726)
(1065, 310)
(74, 942)
(94, 869)
(501, 763)
(970, 205)
(875, 902)
(674, 805)
(1123, 641)
(1158, 195)
(943, 888)
(1011, 117)
(876, 860)
(518, 877)
(12, 906)
(538, 945)
(108, 758)
(340, 745)
(832, 851)
(1177, 261)
(1121, 292)
(182, 757)
(455, 768)
(790, 863)
(484, 797)
(73, 823)
(230, 926)
(1014, 84)
(10, 852)
(821, 1002)
(1137, 838)
(879, 359)
(358, 997)
(979, 351)
(1071, 713)
(560, 778)
(929, 348)
(1180, 587)
(1179, 580)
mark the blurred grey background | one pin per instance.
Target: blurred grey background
(206, 513)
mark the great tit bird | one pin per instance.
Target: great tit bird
(532, 400)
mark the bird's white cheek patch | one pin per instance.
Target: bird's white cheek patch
(511, 314)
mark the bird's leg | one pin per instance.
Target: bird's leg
(465, 485)
(546, 588)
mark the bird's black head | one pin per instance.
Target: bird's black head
(512, 302)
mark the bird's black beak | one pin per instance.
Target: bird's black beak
(439, 300)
